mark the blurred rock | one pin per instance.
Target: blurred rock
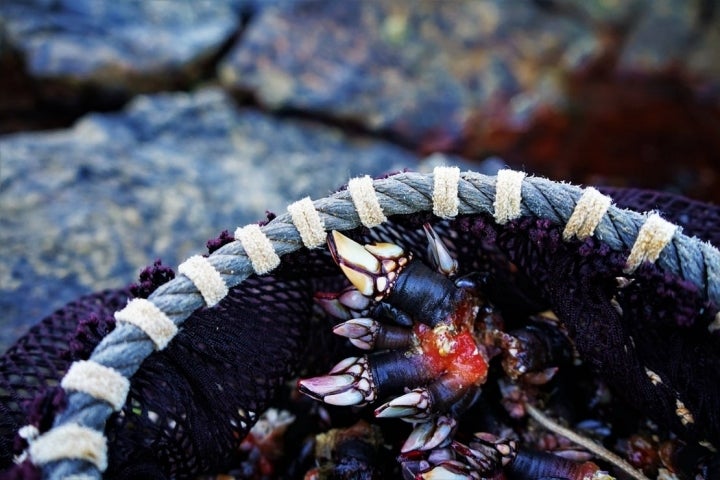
(415, 70)
(79, 54)
(624, 93)
(662, 37)
(85, 208)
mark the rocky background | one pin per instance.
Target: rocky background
(137, 130)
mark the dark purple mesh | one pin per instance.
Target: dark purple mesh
(32, 367)
(190, 405)
(663, 325)
(150, 278)
(696, 218)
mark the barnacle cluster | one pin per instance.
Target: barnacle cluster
(431, 336)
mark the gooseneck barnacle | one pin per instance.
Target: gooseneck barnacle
(76, 445)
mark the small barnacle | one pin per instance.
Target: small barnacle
(682, 411)
(654, 377)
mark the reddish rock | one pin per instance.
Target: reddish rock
(582, 91)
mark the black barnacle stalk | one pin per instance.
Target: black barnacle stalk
(405, 286)
(530, 464)
(534, 352)
(424, 294)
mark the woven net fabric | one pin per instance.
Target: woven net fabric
(190, 405)
(31, 369)
(197, 400)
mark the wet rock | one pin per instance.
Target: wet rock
(601, 13)
(617, 93)
(80, 53)
(415, 70)
(662, 37)
(86, 208)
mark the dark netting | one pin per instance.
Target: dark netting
(191, 404)
(657, 322)
(696, 218)
(31, 369)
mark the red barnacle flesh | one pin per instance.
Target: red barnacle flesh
(451, 348)
(454, 352)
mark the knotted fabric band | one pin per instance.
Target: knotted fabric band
(586, 215)
(98, 381)
(70, 441)
(150, 319)
(258, 248)
(308, 222)
(365, 200)
(445, 191)
(652, 238)
(508, 195)
(206, 279)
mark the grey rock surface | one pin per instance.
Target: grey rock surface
(425, 71)
(129, 46)
(414, 69)
(663, 36)
(86, 208)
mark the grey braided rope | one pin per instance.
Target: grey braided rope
(127, 346)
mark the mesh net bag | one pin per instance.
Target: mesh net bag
(637, 297)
